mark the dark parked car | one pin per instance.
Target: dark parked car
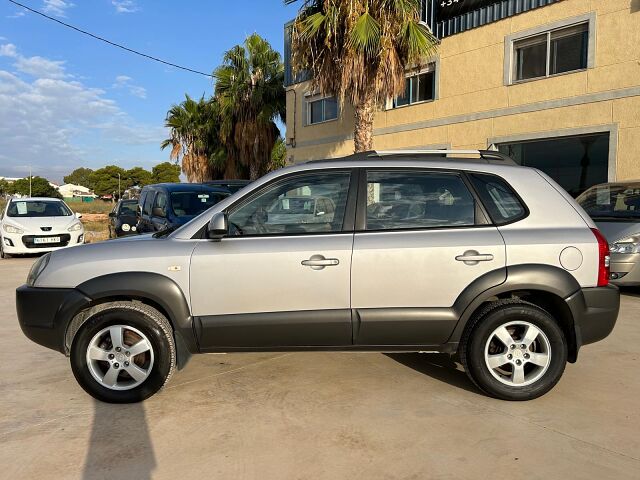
(122, 219)
(169, 205)
(232, 185)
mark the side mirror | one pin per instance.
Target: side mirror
(111, 214)
(139, 211)
(158, 212)
(218, 226)
(78, 215)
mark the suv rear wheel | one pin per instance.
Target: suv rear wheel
(514, 350)
(123, 353)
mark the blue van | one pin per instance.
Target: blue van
(169, 205)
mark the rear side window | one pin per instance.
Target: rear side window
(413, 199)
(499, 199)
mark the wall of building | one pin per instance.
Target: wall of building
(475, 108)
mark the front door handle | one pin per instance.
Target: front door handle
(472, 257)
(318, 262)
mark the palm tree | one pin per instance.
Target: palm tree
(194, 139)
(250, 93)
(359, 50)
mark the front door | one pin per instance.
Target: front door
(281, 277)
(421, 241)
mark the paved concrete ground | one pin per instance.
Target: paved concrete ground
(317, 416)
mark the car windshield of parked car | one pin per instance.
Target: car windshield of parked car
(612, 201)
(38, 208)
(188, 204)
(128, 208)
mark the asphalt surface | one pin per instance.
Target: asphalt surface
(318, 416)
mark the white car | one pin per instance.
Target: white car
(34, 225)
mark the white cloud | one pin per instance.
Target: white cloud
(58, 123)
(56, 7)
(35, 66)
(18, 14)
(40, 67)
(8, 50)
(125, 6)
(123, 81)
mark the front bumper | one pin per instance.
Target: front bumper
(44, 313)
(22, 244)
(595, 311)
(625, 269)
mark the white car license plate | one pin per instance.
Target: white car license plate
(47, 240)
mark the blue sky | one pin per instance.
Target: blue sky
(67, 100)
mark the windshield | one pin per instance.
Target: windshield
(188, 204)
(38, 208)
(128, 208)
(612, 201)
(294, 205)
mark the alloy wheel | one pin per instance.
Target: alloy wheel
(517, 353)
(120, 357)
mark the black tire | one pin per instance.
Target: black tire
(2, 253)
(476, 336)
(140, 316)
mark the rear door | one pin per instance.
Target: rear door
(422, 238)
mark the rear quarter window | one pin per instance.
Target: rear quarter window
(502, 203)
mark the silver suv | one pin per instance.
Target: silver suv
(438, 251)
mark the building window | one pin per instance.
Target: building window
(321, 110)
(418, 88)
(551, 52)
(576, 163)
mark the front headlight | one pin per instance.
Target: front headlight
(626, 245)
(11, 229)
(126, 227)
(37, 268)
(75, 227)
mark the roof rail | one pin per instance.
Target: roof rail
(489, 155)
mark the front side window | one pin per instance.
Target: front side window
(418, 88)
(410, 199)
(308, 203)
(322, 110)
(161, 202)
(148, 202)
(551, 53)
(38, 208)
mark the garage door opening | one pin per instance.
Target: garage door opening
(576, 162)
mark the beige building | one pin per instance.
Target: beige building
(554, 83)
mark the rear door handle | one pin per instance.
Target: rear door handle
(318, 262)
(472, 257)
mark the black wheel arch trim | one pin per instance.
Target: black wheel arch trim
(155, 288)
(536, 277)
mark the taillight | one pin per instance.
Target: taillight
(604, 258)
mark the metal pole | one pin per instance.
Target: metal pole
(118, 186)
(30, 181)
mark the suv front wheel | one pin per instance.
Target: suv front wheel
(123, 353)
(514, 350)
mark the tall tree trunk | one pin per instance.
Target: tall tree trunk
(363, 131)
(254, 171)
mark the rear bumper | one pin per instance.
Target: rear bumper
(595, 311)
(44, 313)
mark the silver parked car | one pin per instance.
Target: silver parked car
(615, 207)
(407, 251)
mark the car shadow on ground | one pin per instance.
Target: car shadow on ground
(439, 366)
(120, 445)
